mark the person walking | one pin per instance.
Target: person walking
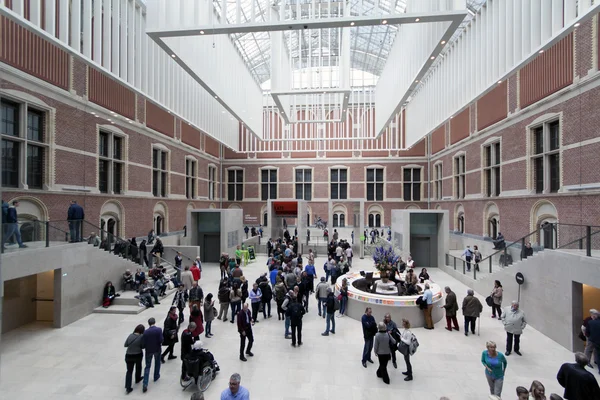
(170, 333)
(471, 309)
(321, 294)
(344, 297)
(187, 278)
(496, 294)
(428, 299)
(223, 296)
(296, 312)
(153, 338)
(134, 356)
(589, 346)
(369, 328)
(235, 390)
(451, 307)
(381, 343)
(195, 295)
(280, 293)
(11, 227)
(75, 215)
(209, 314)
(267, 296)
(593, 330)
(468, 255)
(144, 254)
(235, 300)
(255, 300)
(290, 298)
(495, 367)
(244, 324)
(578, 382)
(406, 337)
(330, 308)
(514, 323)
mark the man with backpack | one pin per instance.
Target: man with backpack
(296, 311)
(392, 329)
(321, 294)
(290, 298)
(468, 255)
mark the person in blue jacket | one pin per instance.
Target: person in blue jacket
(11, 226)
(75, 215)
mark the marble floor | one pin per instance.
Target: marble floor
(85, 360)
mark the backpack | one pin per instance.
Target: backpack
(336, 304)
(279, 294)
(295, 311)
(414, 344)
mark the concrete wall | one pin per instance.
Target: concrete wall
(81, 272)
(552, 295)
(19, 309)
(231, 222)
(186, 251)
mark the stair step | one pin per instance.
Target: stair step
(120, 309)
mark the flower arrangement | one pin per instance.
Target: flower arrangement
(385, 258)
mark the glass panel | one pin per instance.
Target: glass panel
(230, 176)
(416, 174)
(539, 175)
(497, 181)
(264, 176)
(273, 175)
(370, 175)
(273, 191)
(307, 175)
(407, 174)
(155, 182)
(103, 176)
(334, 191)
(155, 156)
(488, 182)
(416, 191)
(163, 160)
(554, 160)
(239, 193)
(231, 191)
(497, 154)
(343, 190)
(35, 126)
(379, 175)
(334, 175)
(488, 156)
(264, 191)
(308, 191)
(117, 148)
(10, 163)
(117, 173)
(9, 118)
(379, 191)
(163, 184)
(370, 191)
(239, 175)
(378, 220)
(538, 135)
(343, 175)
(554, 135)
(299, 175)
(103, 144)
(371, 220)
(407, 191)
(299, 191)
(35, 167)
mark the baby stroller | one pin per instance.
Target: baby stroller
(201, 369)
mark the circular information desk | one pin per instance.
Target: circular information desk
(398, 307)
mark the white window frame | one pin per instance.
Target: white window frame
(304, 182)
(421, 183)
(438, 180)
(276, 183)
(167, 171)
(494, 168)
(236, 183)
(112, 134)
(545, 155)
(212, 182)
(339, 167)
(375, 182)
(191, 178)
(459, 175)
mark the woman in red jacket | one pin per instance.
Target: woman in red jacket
(197, 318)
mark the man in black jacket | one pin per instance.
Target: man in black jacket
(296, 311)
(187, 340)
(244, 323)
(153, 338)
(75, 215)
(330, 307)
(579, 383)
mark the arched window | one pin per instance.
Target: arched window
(375, 212)
(159, 224)
(491, 218)
(493, 227)
(461, 223)
(371, 220)
(459, 218)
(543, 219)
(265, 219)
(342, 220)
(335, 220)
(339, 216)
(378, 220)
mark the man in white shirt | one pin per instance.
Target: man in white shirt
(338, 253)
(409, 262)
(349, 255)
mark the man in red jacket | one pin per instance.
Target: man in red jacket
(244, 323)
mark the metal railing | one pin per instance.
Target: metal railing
(34, 233)
(573, 237)
(520, 249)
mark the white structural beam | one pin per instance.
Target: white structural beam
(87, 28)
(63, 28)
(116, 36)
(35, 12)
(76, 25)
(107, 35)
(97, 50)
(50, 23)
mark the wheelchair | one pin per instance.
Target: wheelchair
(201, 369)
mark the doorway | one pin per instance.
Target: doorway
(211, 247)
(420, 251)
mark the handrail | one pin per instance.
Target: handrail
(54, 227)
(562, 246)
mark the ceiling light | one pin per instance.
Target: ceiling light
(417, 20)
(202, 32)
(541, 51)
(416, 81)
(443, 42)
(216, 97)
(577, 24)
(110, 119)
(351, 23)
(499, 82)
(173, 55)
(432, 57)
(384, 21)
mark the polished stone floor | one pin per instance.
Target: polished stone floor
(85, 360)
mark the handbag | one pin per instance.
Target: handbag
(489, 301)
(215, 312)
(403, 348)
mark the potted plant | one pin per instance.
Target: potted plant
(384, 257)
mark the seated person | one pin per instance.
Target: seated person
(108, 295)
(412, 290)
(499, 242)
(93, 239)
(140, 277)
(197, 358)
(128, 280)
(160, 286)
(527, 251)
(401, 288)
(147, 292)
(424, 276)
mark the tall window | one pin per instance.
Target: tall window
(412, 184)
(491, 169)
(191, 166)
(437, 182)
(375, 184)
(110, 163)
(339, 184)
(459, 176)
(160, 172)
(24, 148)
(304, 184)
(546, 158)
(268, 184)
(212, 182)
(235, 185)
